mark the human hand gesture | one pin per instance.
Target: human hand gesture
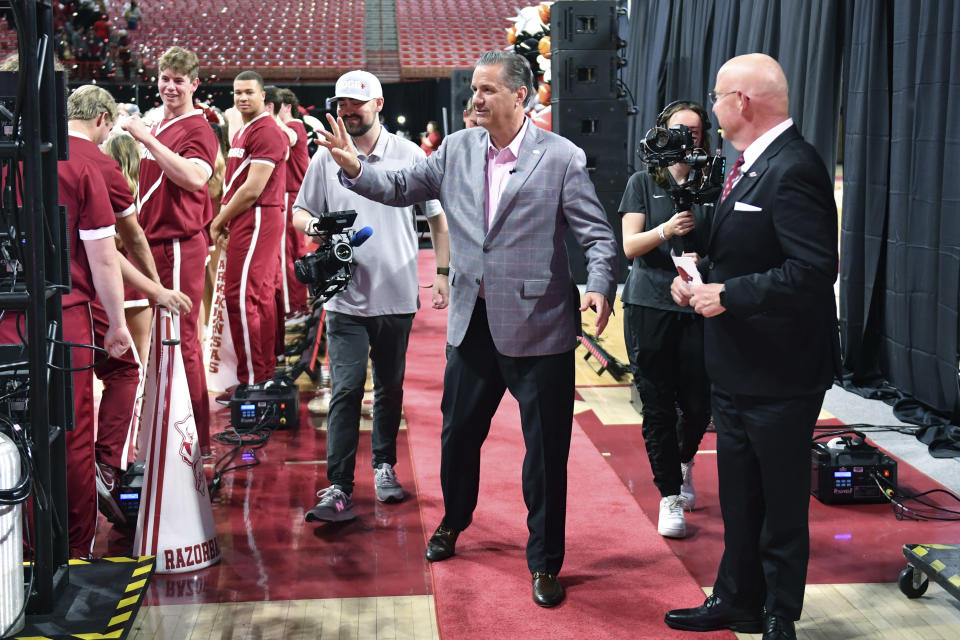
(135, 127)
(337, 141)
(175, 301)
(598, 302)
(441, 292)
(679, 225)
(117, 340)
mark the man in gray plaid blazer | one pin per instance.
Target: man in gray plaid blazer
(510, 192)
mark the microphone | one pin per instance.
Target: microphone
(360, 236)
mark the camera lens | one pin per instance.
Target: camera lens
(343, 252)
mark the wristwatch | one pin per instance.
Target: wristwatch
(443, 271)
(723, 296)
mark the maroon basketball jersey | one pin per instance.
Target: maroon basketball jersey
(258, 141)
(299, 158)
(89, 216)
(168, 211)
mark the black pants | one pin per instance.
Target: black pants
(763, 457)
(350, 339)
(473, 385)
(666, 357)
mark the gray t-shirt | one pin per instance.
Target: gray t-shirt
(385, 266)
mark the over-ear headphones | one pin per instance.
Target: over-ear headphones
(671, 108)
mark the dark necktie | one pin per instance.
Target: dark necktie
(731, 177)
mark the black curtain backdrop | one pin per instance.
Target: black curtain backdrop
(893, 68)
(675, 48)
(900, 289)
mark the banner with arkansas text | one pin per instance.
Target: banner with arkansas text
(218, 352)
(176, 519)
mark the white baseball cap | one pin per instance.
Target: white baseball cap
(359, 85)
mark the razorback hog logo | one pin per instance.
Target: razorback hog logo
(186, 451)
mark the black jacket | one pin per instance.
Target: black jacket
(774, 245)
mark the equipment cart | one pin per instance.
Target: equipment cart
(940, 562)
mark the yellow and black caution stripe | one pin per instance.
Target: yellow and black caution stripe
(940, 562)
(127, 579)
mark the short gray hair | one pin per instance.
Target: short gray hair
(514, 69)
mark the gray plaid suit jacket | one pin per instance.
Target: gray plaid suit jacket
(532, 302)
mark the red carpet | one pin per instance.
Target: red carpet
(848, 544)
(620, 575)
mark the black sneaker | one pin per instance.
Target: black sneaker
(108, 493)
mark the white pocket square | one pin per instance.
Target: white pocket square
(743, 206)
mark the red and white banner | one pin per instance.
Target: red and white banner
(218, 352)
(176, 519)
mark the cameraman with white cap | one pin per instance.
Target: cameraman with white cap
(374, 313)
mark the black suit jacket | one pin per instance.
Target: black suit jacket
(774, 246)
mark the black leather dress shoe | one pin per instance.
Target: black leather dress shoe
(442, 544)
(777, 628)
(715, 614)
(547, 590)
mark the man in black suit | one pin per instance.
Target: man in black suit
(772, 349)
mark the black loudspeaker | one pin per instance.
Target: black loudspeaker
(599, 127)
(584, 25)
(460, 92)
(578, 262)
(584, 75)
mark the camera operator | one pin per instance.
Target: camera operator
(664, 340)
(375, 312)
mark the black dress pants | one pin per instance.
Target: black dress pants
(763, 459)
(474, 382)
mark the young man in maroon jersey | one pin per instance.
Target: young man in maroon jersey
(251, 218)
(94, 272)
(286, 110)
(175, 206)
(91, 112)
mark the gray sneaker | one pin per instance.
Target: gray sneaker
(385, 479)
(334, 506)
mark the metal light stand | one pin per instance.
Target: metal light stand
(42, 237)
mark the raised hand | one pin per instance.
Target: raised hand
(337, 140)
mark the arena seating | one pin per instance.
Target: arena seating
(308, 40)
(297, 39)
(438, 36)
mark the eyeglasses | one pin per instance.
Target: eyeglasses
(714, 96)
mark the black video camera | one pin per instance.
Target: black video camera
(662, 147)
(327, 270)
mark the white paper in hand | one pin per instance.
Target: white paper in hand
(687, 268)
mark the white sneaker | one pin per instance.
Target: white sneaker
(320, 404)
(687, 491)
(671, 523)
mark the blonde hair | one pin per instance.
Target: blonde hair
(89, 101)
(123, 148)
(180, 60)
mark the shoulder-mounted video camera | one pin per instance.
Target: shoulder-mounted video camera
(662, 147)
(328, 269)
